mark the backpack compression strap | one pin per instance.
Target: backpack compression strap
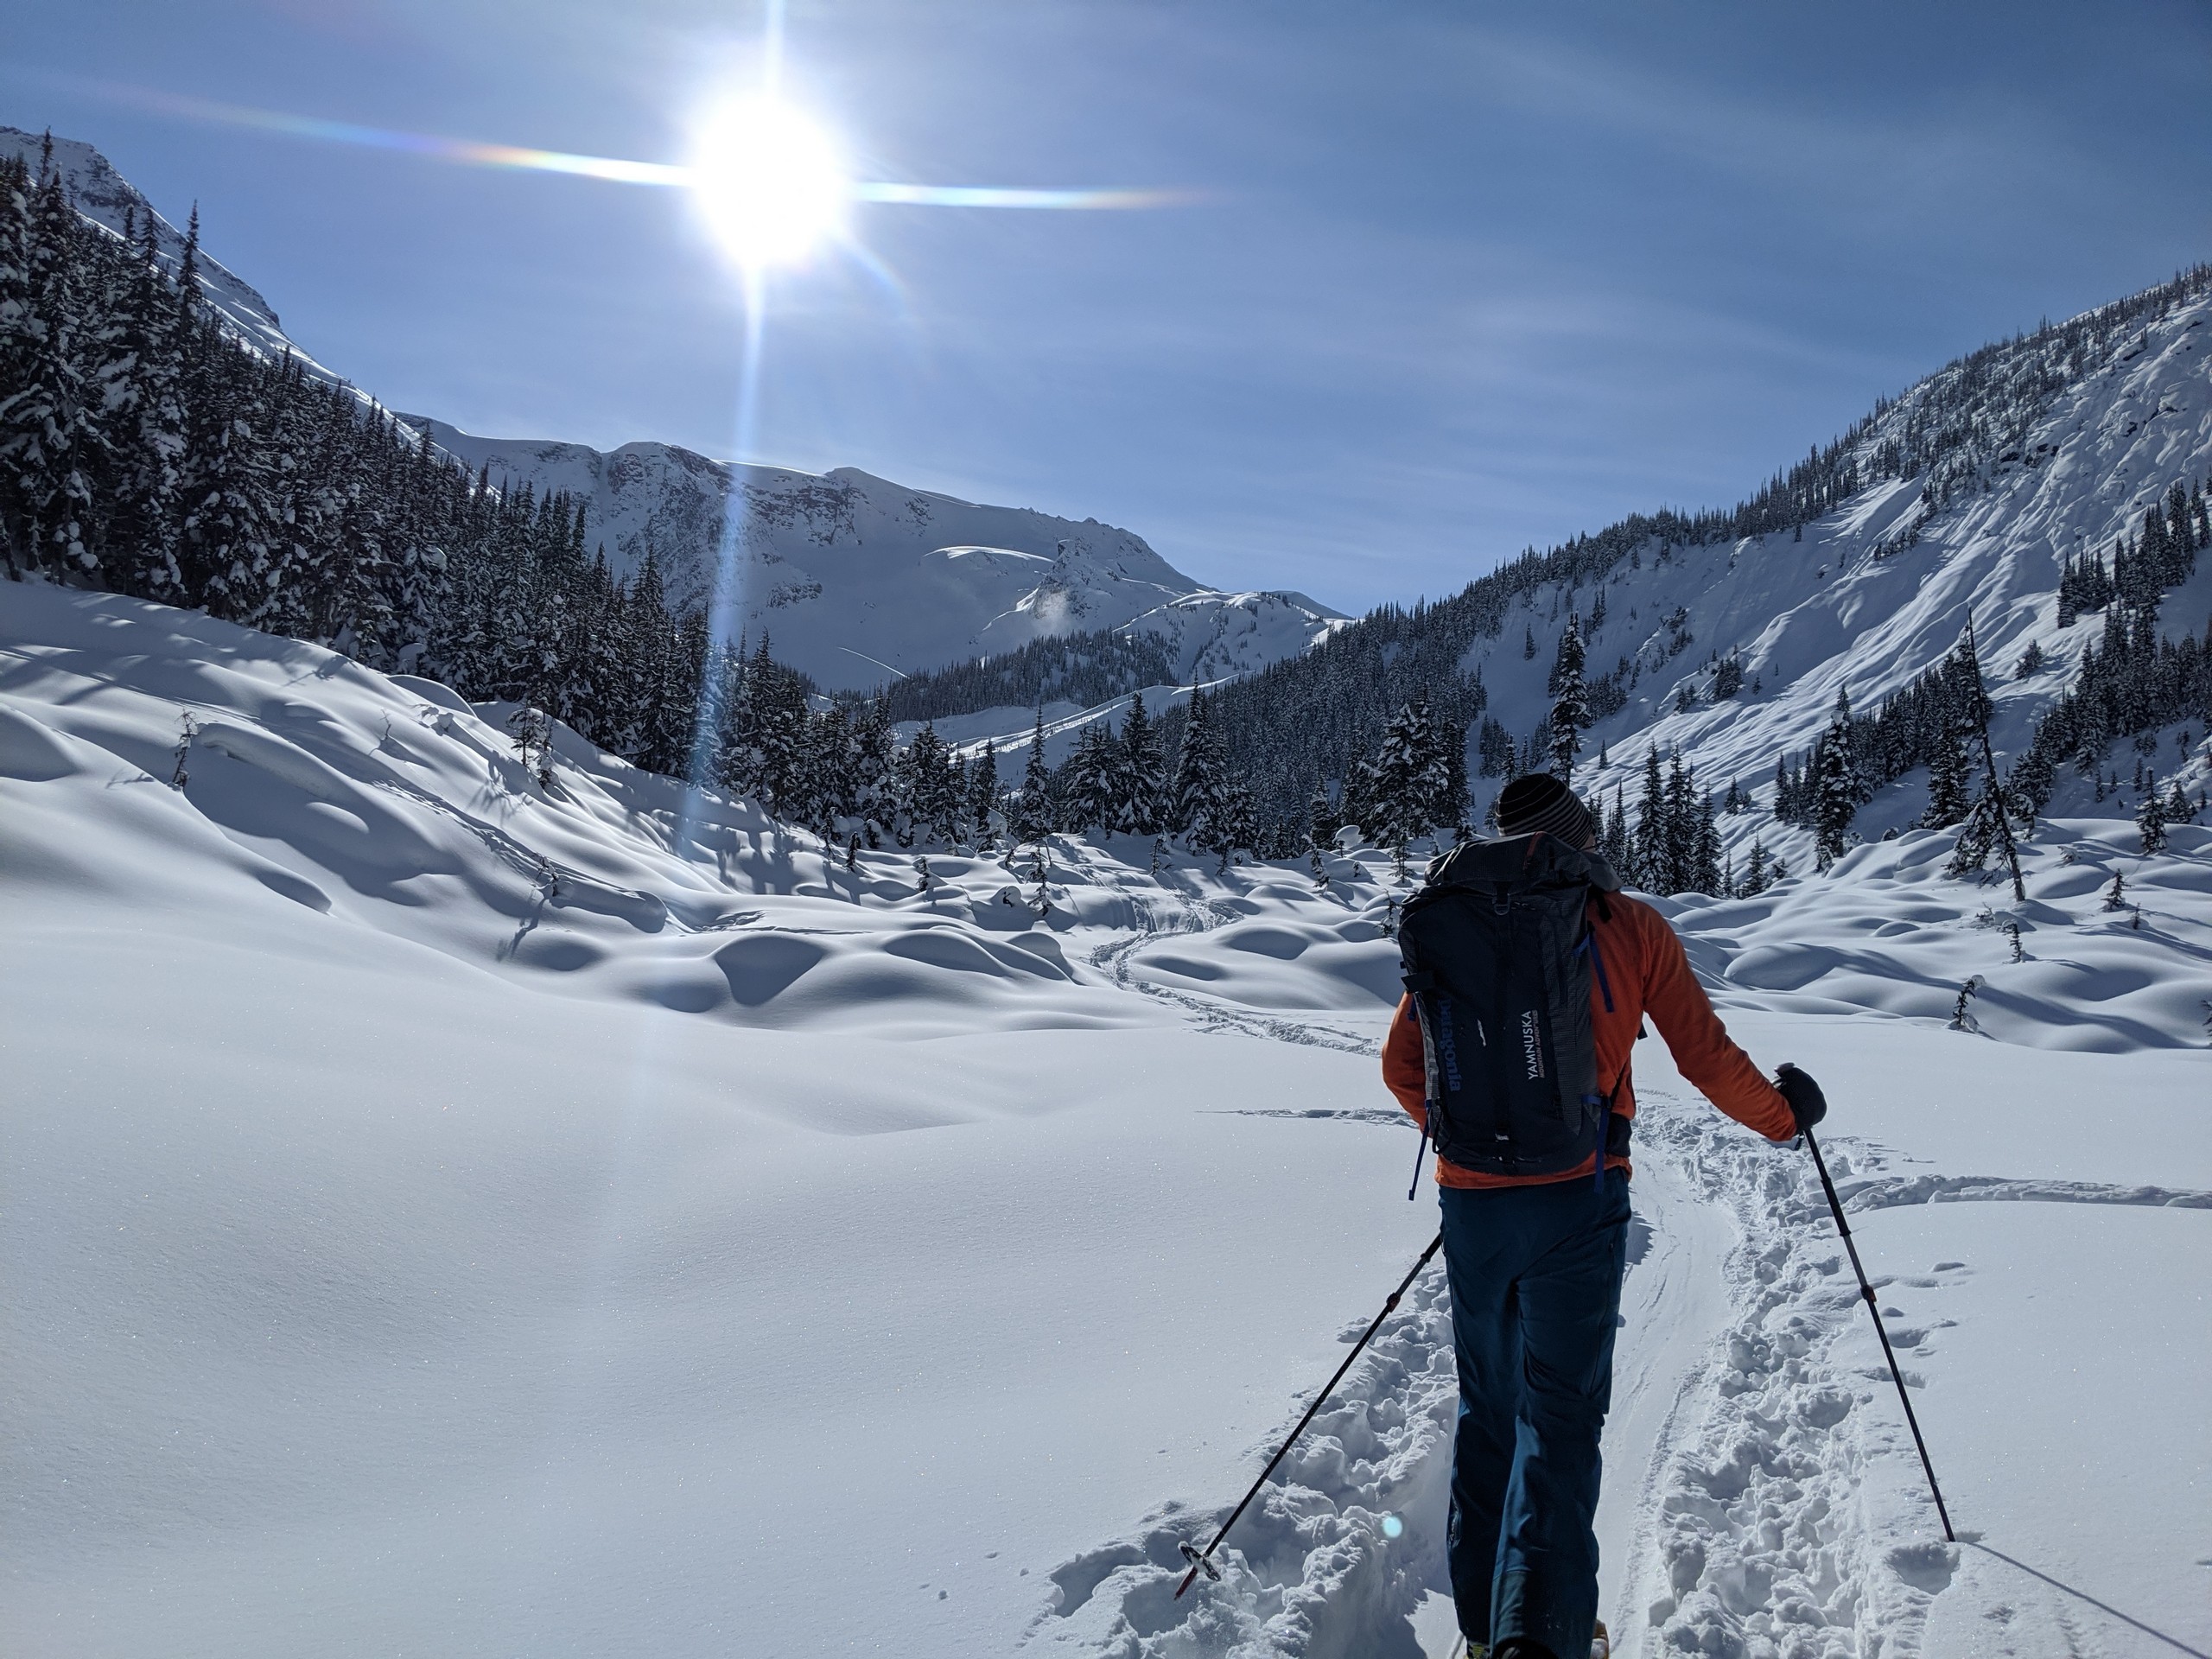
(1589, 947)
(1433, 1011)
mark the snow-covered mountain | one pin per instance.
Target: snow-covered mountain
(1962, 498)
(1878, 590)
(108, 198)
(858, 581)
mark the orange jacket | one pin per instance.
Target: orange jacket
(1649, 973)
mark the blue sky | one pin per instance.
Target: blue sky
(1459, 278)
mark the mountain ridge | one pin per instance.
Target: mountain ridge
(844, 568)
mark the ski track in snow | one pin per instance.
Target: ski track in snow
(1196, 914)
(1754, 1536)
(1308, 1569)
(1739, 1519)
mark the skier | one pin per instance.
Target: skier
(1535, 1260)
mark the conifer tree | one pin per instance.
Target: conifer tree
(983, 787)
(1755, 879)
(1089, 788)
(1649, 857)
(1947, 781)
(932, 786)
(1988, 827)
(2151, 819)
(1198, 797)
(1681, 860)
(1836, 791)
(1356, 801)
(874, 790)
(1706, 876)
(1570, 711)
(1032, 806)
(1404, 776)
(1323, 820)
(1137, 783)
(1613, 840)
(1445, 769)
(47, 435)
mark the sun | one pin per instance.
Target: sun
(770, 181)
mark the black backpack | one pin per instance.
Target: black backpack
(1498, 957)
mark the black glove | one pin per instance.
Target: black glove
(1808, 1105)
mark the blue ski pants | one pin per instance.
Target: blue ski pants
(1536, 1276)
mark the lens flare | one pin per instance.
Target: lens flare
(770, 181)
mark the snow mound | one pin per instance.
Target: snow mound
(1887, 931)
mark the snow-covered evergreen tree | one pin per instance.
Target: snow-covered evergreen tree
(1138, 781)
(874, 783)
(1323, 819)
(1988, 829)
(1090, 786)
(1570, 711)
(1613, 838)
(2151, 819)
(983, 789)
(1948, 769)
(1032, 805)
(1648, 852)
(1400, 784)
(1199, 808)
(1836, 785)
(1756, 879)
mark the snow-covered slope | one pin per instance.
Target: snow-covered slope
(858, 581)
(1878, 591)
(106, 197)
(447, 1214)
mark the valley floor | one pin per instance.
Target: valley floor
(443, 1216)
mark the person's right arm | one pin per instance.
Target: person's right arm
(1702, 1049)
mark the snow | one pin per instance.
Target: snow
(446, 1215)
(858, 581)
(1788, 1507)
(106, 197)
(1847, 609)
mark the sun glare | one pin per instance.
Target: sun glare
(770, 181)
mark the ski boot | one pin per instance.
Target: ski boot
(1601, 1644)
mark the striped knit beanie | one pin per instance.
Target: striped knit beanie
(1540, 804)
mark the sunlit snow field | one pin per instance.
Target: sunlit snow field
(440, 1217)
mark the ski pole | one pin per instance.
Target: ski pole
(1200, 1559)
(1835, 1208)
